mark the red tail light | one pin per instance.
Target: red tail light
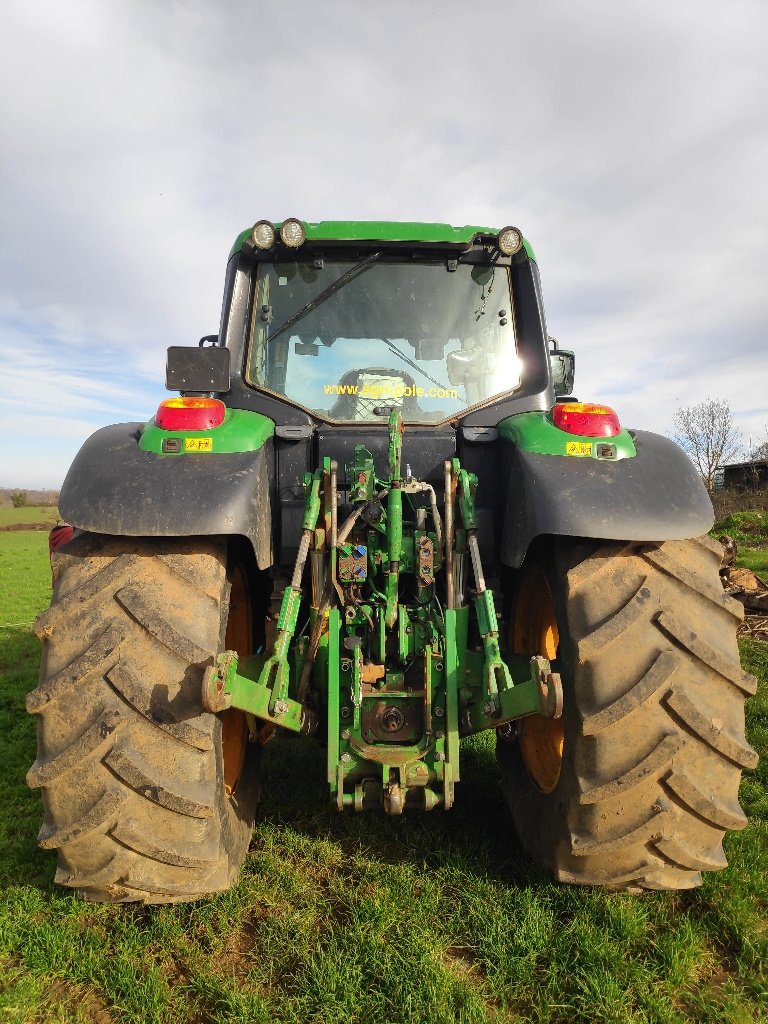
(586, 419)
(60, 535)
(190, 414)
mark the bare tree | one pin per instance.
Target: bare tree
(707, 434)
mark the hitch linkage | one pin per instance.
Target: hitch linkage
(382, 666)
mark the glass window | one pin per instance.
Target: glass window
(349, 340)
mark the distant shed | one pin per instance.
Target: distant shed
(743, 476)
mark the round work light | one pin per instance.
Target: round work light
(263, 234)
(292, 233)
(510, 240)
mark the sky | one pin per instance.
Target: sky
(139, 137)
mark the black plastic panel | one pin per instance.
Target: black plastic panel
(658, 495)
(197, 368)
(294, 459)
(424, 450)
(114, 487)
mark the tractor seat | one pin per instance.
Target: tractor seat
(362, 391)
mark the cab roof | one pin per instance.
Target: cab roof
(417, 232)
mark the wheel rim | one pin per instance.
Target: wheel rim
(239, 637)
(534, 631)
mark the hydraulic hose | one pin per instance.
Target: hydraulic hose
(327, 594)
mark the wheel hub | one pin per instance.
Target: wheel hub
(534, 631)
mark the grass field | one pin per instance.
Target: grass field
(750, 531)
(31, 514)
(425, 919)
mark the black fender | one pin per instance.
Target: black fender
(115, 487)
(656, 495)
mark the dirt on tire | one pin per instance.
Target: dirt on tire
(654, 741)
(130, 767)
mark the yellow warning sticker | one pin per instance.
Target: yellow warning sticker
(198, 444)
(578, 448)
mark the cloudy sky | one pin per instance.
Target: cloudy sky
(628, 141)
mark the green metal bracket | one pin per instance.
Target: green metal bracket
(394, 516)
(231, 682)
(334, 693)
(275, 674)
(508, 690)
(536, 691)
(395, 444)
(456, 626)
(495, 672)
(312, 507)
(263, 690)
(361, 475)
(467, 491)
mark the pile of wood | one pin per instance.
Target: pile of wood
(747, 587)
(755, 627)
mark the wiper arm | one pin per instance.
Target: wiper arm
(326, 293)
(393, 348)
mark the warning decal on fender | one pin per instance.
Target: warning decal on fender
(578, 448)
(200, 444)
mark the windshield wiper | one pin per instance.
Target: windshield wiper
(326, 293)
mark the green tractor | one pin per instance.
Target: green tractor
(375, 517)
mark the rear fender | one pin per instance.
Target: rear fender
(656, 495)
(115, 487)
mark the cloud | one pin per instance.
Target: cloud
(626, 140)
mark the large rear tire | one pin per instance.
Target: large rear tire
(140, 802)
(637, 786)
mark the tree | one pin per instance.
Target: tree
(761, 452)
(19, 499)
(707, 434)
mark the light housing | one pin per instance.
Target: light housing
(510, 240)
(190, 414)
(263, 234)
(586, 419)
(292, 233)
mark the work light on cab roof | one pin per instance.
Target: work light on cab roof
(510, 241)
(292, 233)
(263, 234)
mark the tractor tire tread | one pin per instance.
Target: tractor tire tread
(130, 766)
(148, 613)
(706, 729)
(106, 724)
(708, 655)
(89, 661)
(638, 775)
(654, 743)
(126, 685)
(659, 674)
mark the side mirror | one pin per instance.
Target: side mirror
(197, 368)
(563, 365)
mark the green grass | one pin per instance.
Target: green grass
(744, 527)
(26, 576)
(31, 514)
(756, 560)
(424, 919)
(750, 531)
